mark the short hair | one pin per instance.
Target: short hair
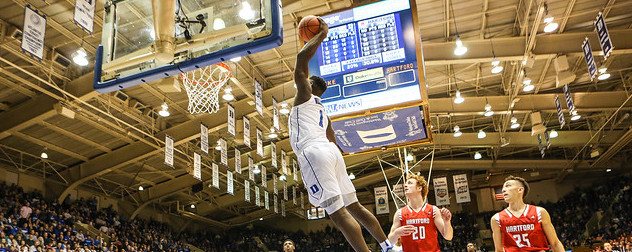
(319, 81)
(521, 180)
(288, 240)
(421, 181)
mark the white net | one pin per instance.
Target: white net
(203, 86)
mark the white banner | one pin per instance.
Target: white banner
(224, 151)
(275, 115)
(275, 183)
(257, 196)
(251, 174)
(462, 189)
(197, 166)
(33, 33)
(247, 190)
(258, 98)
(441, 191)
(294, 195)
(276, 205)
(381, 200)
(231, 119)
(229, 183)
(560, 114)
(259, 143)
(294, 170)
(215, 176)
(266, 198)
(247, 132)
(264, 177)
(284, 190)
(604, 36)
(84, 14)
(283, 163)
(273, 155)
(203, 137)
(237, 161)
(401, 196)
(169, 151)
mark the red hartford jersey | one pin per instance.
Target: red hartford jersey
(425, 236)
(522, 233)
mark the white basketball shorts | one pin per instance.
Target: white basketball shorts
(325, 177)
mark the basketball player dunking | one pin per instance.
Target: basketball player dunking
(321, 163)
(522, 227)
(417, 223)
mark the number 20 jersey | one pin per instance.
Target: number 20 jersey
(522, 233)
(425, 237)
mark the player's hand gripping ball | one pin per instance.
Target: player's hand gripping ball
(309, 27)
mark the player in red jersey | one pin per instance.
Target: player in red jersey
(418, 222)
(522, 227)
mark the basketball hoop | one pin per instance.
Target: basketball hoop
(203, 86)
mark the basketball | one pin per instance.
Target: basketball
(308, 27)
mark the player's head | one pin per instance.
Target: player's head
(607, 246)
(288, 246)
(318, 85)
(515, 188)
(471, 247)
(416, 185)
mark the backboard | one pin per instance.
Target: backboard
(146, 40)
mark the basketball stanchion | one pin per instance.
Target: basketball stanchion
(203, 86)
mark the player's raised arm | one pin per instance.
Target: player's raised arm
(549, 231)
(443, 222)
(301, 70)
(497, 235)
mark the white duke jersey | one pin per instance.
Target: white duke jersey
(308, 124)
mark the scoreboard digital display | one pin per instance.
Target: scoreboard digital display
(369, 58)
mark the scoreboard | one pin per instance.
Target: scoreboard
(369, 59)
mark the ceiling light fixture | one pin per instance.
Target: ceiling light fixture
(193, 206)
(164, 112)
(460, 48)
(553, 134)
(514, 123)
(457, 131)
(284, 108)
(497, 67)
(272, 133)
(256, 170)
(481, 134)
(575, 116)
(44, 155)
(478, 155)
(351, 176)
(80, 57)
(458, 99)
(548, 20)
(410, 157)
(228, 96)
(219, 145)
(488, 110)
(282, 177)
(140, 188)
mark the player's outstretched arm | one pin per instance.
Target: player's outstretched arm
(443, 222)
(498, 242)
(301, 69)
(397, 230)
(549, 231)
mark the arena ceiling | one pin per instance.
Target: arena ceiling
(115, 142)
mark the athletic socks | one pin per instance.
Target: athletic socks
(386, 246)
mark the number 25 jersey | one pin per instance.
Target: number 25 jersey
(424, 238)
(522, 233)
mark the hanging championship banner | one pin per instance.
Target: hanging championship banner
(215, 176)
(84, 14)
(560, 114)
(169, 151)
(257, 196)
(590, 60)
(302, 201)
(264, 177)
(276, 205)
(283, 209)
(381, 200)
(251, 173)
(203, 136)
(400, 200)
(258, 98)
(604, 36)
(247, 132)
(569, 99)
(247, 190)
(542, 151)
(547, 139)
(224, 151)
(294, 195)
(274, 183)
(259, 143)
(197, 166)
(283, 163)
(33, 33)
(273, 155)
(229, 183)
(231, 119)
(275, 115)
(461, 188)
(294, 170)
(441, 191)
(237, 161)
(266, 198)
(284, 190)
